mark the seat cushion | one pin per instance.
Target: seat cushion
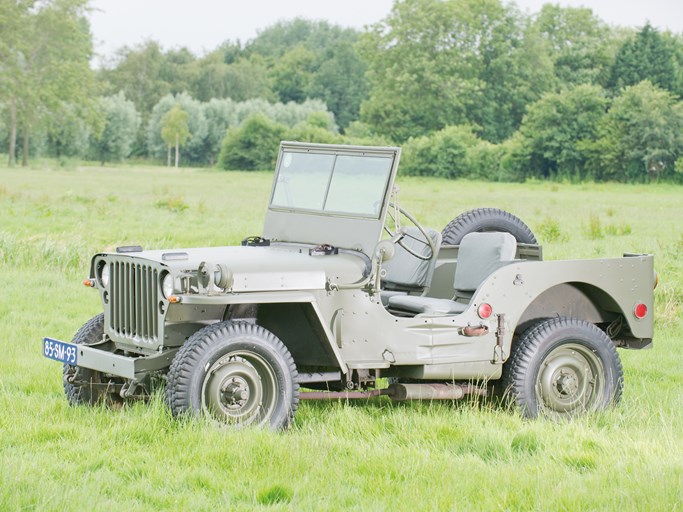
(385, 295)
(426, 305)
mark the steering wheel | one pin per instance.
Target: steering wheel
(399, 234)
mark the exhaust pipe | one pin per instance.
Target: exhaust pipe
(433, 391)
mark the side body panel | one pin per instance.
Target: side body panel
(361, 333)
(369, 336)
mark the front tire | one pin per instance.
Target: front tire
(563, 367)
(84, 386)
(237, 374)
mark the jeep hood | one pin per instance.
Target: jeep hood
(276, 267)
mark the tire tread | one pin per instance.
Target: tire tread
(187, 358)
(520, 361)
(486, 219)
(80, 393)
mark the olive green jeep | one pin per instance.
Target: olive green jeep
(343, 288)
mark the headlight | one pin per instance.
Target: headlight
(104, 274)
(222, 277)
(167, 286)
(211, 276)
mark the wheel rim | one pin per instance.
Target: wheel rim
(570, 380)
(240, 388)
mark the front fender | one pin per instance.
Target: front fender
(323, 334)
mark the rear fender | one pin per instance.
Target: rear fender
(600, 291)
(575, 300)
(585, 302)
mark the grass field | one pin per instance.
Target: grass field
(373, 455)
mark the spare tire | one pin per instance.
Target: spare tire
(486, 219)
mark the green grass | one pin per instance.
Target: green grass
(368, 455)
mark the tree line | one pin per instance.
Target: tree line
(469, 88)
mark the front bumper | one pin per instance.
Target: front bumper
(129, 367)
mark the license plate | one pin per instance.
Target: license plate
(60, 351)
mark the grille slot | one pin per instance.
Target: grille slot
(134, 294)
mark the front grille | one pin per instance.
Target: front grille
(133, 299)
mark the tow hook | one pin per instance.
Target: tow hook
(70, 378)
(128, 389)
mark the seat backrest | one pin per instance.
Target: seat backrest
(479, 255)
(406, 272)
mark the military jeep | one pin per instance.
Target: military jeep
(346, 295)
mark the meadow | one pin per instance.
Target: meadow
(367, 455)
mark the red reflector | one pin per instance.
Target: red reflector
(640, 311)
(484, 310)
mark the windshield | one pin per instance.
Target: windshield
(343, 184)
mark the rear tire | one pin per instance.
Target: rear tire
(486, 219)
(237, 374)
(563, 367)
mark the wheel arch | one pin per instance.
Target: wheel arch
(301, 328)
(578, 300)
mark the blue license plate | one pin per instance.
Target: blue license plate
(60, 351)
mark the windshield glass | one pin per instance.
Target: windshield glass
(344, 184)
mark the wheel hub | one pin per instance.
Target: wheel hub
(570, 380)
(566, 383)
(235, 392)
(240, 388)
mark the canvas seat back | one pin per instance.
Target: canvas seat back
(479, 255)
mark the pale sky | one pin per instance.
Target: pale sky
(201, 25)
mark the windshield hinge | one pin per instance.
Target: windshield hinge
(255, 241)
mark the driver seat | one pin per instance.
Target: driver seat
(405, 273)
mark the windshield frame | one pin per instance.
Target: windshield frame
(332, 190)
(343, 229)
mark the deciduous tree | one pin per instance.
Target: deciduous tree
(175, 131)
(45, 51)
(581, 46)
(220, 114)
(436, 63)
(641, 137)
(194, 148)
(314, 59)
(137, 72)
(556, 128)
(121, 124)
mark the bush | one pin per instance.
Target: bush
(319, 127)
(549, 231)
(253, 145)
(306, 132)
(454, 152)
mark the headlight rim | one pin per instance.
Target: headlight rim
(103, 273)
(165, 280)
